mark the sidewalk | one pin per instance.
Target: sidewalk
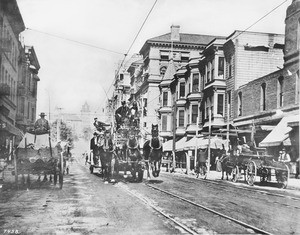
(293, 184)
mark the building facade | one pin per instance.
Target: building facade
(157, 53)
(27, 88)
(11, 25)
(273, 99)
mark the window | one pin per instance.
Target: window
(164, 123)
(208, 72)
(145, 107)
(185, 56)
(228, 103)
(209, 106)
(181, 118)
(240, 104)
(32, 115)
(280, 92)
(164, 55)
(221, 67)
(297, 87)
(165, 98)
(263, 97)
(2, 74)
(28, 110)
(194, 114)
(163, 71)
(220, 108)
(195, 82)
(230, 67)
(298, 35)
(22, 105)
(181, 90)
(121, 76)
(212, 70)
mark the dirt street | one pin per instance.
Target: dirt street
(85, 205)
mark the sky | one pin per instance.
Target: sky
(72, 73)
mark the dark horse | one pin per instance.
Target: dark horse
(134, 156)
(152, 150)
(107, 156)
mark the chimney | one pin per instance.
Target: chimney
(175, 33)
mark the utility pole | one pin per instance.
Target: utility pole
(174, 131)
(196, 149)
(209, 137)
(58, 124)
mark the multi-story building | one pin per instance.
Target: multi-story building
(27, 87)
(248, 56)
(157, 53)
(272, 101)
(11, 25)
(123, 87)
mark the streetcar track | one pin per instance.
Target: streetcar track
(245, 225)
(157, 209)
(252, 189)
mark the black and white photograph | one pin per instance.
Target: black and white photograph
(149, 117)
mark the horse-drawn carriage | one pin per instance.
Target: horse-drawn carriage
(256, 165)
(35, 155)
(268, 170)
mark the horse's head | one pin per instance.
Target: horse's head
(154, 130)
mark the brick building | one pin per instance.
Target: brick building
(274, 98)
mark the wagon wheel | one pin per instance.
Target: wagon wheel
(251, 173)
(235, 174)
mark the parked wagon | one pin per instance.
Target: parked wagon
(268, 170)
(35, 155)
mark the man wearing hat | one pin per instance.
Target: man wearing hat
(42, 125)
(121, 113)
(284, 156)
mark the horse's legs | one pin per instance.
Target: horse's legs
(148, 170)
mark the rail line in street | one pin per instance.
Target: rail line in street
(245, 225)
(245, 188)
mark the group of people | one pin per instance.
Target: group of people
(101, 141)
(124, 113)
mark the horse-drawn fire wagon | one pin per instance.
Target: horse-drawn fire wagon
(36, 155)
(129, 156)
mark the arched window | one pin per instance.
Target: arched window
(280, 92)
(263, 97)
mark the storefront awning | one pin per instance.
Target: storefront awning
(180, 144)
(203, 143)
(167, 146)
(280, 133)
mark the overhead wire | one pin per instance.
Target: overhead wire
(125, 55)
(78, 42)
(260, 19)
